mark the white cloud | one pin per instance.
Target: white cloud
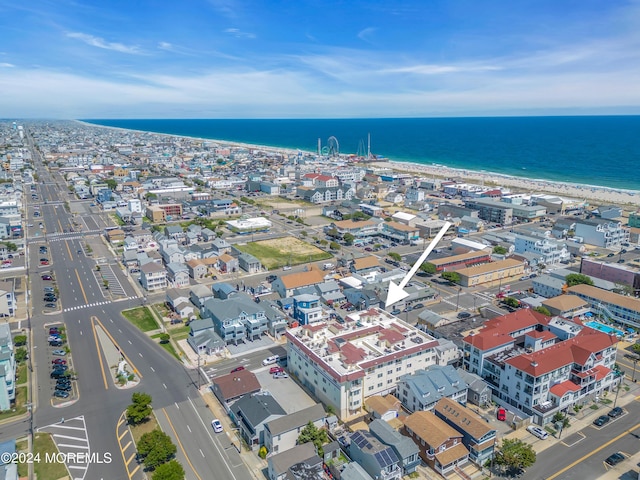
(101, 43)
(7, 65)
(165, 46)
(239, 34)
(366, 34)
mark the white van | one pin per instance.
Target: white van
(270, 360)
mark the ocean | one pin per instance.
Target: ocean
(591, 150)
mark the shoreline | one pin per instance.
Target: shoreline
(602, 195)
(581, 192)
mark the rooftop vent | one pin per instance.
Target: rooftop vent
(534, 364)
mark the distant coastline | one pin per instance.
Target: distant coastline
(585, 189)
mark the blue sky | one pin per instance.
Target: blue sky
(317, 59)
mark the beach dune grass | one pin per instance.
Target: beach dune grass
(278, 252)
(142, 318)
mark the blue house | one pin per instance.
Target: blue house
(307, 309)
(405, 448)
(378, 459)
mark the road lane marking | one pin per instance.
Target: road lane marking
(129, 342)
(68, 249)
(164, 385)
(95, 337)
(176, 404)
(189, 428)
(140, 355)
(201, 453)
(215, 444)
(180, 444)
(81, 287)
(120, 350)
(601, 447)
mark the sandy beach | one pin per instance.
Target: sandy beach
(592, 194)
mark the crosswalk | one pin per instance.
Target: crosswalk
(68, 234)
(95, 304)
(72, 441)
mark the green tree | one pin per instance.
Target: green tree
(360, 216)
(172, 470)
(543, 310)
(561, 417)
(636, 348)
(348, 238)
(262, 453)
(333, 233)
(395, 256)
(164, 338)
(12, 247)
(453, 277)
(20, 340)
(311, 433)
(111, 183)
(514, 454)
(151, 196)
(156, 448)
(334, 246)
(303, 233)
(577, 279)
(20, 354)
(512, 302)
(429, 268)
(499, 249)
(140, 408)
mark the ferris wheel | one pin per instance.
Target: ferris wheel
(332, 148)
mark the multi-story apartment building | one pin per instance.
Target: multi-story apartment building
(153, 276)
(548, 251)
(613, 306)
(601, 232)
(342, 364)
(7, 368)
(612, 272)
(307, 308)
(236, 318)
(541, 365)
(491, 273)
(492, 210)
(367, 228)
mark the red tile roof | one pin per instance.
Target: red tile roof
(497, 331)
(575, 350)
(559, 389)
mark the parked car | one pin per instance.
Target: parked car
(237, 369)
(271, 278)
(464, 315)
(46, 277)
(418, 305)
(614, 459)
(50, 299)
(44, 262)
(61, 394)
(270, 360)
(56, 343)
(64, 386)
(601, 420)
(616, 412)
(537, 431)
(217, 425)
(273, 370)
(280, 375)
(58, 361)
(58, 372)
(396, 312)
(53, 330)
(59, 353)
(501, 415)
(49, 289)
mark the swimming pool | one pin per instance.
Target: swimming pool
(604, 328)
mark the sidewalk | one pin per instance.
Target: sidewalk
(583, 419)
(251, 460)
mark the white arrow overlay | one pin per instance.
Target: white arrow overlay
(396, 292)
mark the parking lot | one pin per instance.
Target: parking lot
(286, 391)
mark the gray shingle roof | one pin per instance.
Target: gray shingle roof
(257, 408)
(403, 446)
(296, 419)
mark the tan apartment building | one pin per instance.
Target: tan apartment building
(491, 273)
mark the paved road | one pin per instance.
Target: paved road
(99, 404)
